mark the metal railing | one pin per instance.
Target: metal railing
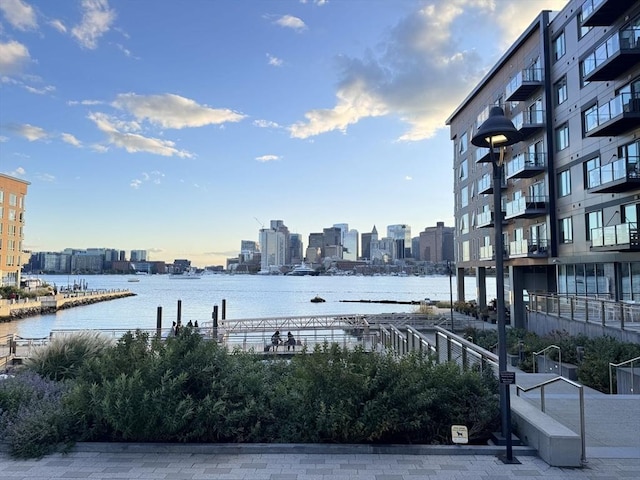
(535, 357)
(580, 388)
(617, 365)
(610, 313)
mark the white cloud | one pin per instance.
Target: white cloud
(267, 158)
(426, 66)
(70, 139)
(29, 132)
(13, 56)
(3, 139)
(40, 91)
(134, 143)
(18, 172)
(274, 61)
(58, 25)
(96, 21)
(85, 102)
(135, 183)
(46, 177)
(174, 111)
(265, 124)
(289, 21)
(408, 178)
(19, 14)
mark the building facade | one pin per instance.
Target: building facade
(435, 244)
(570, 191)
(13, 193)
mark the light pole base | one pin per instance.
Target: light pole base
(504, 459)
(498, 439)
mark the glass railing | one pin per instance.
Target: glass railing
(623, 103)
(481, 153)
(526, 247)
(525, 160)
(614, 234)
(526, 75)
(484, 183)
(486, 252)
(528, 117)
(627, 39)
(522, 204)
(590, 6)
(485, 218)
(619, 169)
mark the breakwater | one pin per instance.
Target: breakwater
(15, 308)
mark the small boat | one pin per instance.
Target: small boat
(317, 299)
(133, 280)
(302, 270)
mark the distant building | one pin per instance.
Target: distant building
(401, 235)
(138, 256)
(13, 192)
(436, 243)
(367, 238)
(272, 248)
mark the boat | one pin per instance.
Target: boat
(302, 270)
(317, 299)
(134, 279)
(186, 275)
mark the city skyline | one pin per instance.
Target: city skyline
(179, 130)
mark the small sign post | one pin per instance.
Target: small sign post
(508, 378)
(459, 434)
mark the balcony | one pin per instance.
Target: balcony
(484, 219)
(487, 253)
(482, 155)
(621, 237)
(610, 60)
(619, 176)
(601, 13)
(615, 117)
(527, 207)
(529, 248)
(524, 84)
(529, 122)
(485, 185)
(526, 165)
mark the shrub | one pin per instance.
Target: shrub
(63, 356)
(33, 420)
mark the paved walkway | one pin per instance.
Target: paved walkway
(167, 463)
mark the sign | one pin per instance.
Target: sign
(507, 378)
(459, 434)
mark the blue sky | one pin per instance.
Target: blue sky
(179, 127)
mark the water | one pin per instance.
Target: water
(247, 296)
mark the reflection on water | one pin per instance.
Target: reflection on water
(247, 296)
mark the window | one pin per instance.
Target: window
(463, 143)
(560, 90)
(13, 199)
(590, 118)
(464, 170)
(593, 220)
(566, 230)
(591, 169)
(564, 183)
(464, 197)
(559, 47)
(1, 196)
(12, 215)
(562, 137)
(464, 224)
(582, 30)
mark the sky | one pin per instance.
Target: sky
(182, 127)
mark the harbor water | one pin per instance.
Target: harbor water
(246, 296)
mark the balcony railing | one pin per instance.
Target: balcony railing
(528, 122)
(603, 12)
(485, 185)
(526, 165)
(484, 219)
(529, 248)
(529, 207)
(486, 252)
(623, 236)
(615, 117)
(618, 176)
(613, 57)
(524, 84)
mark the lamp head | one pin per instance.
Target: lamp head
(496, 131)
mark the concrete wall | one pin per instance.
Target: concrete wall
(543, 324)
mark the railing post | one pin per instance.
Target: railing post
(582, 426)
(621, 316)
(602, 313)
(542, 404)
(586, 310)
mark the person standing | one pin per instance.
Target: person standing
(291, 342)
(275, 340)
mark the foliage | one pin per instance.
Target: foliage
(33, 420)
(63, 356)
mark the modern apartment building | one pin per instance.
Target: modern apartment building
(13, 192)
(570, 192)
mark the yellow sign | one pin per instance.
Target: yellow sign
(459, 434)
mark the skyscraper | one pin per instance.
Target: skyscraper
(367, 238)
(401, 234)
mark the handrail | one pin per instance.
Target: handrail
(535, 354)
(611, 364)
(580, 388)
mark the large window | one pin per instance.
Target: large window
(590, 165)
(560, 90)
(559, 46)
(464, 170)
(464, 196)
(562, 137)
(589, 119)
(593, 220)
(566, 230)
(564, 183)
(582, 30)
(463, 143)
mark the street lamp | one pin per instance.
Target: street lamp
(498, 131)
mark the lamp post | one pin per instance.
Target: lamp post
(450, 293)
(498, 131)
